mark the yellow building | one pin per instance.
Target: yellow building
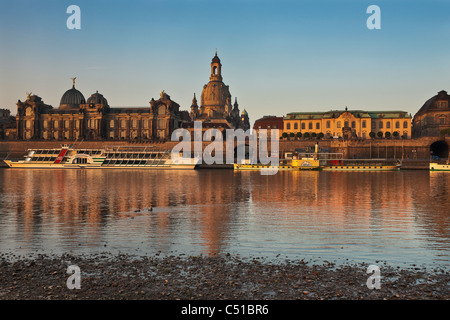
(349, 124)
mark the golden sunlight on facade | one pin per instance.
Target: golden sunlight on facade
(349, 124)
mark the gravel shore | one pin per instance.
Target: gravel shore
(115, 277)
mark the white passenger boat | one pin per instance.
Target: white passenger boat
(120, 157)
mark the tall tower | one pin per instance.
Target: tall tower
(216, 69)
(216, 97)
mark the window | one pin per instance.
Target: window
(310, 125)
(162, 110)
(44, 124)
(397, 125)
(374, 125)
(338, 124)
(353, 124)
(346, 124)
(442, 104)
(161, 124)
(317, 125)
(111, 123)
(388, 125)
(328, 124)
(123, 124)
(55, 124)
(303, 126)
(405, 124)
(442, 120)
(288, 126)
(295, 126)
(66, 124)
(364, 124)
(380, 125)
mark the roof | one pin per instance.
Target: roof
(337, 113)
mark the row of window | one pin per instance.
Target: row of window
(346, 124)
(94, 123)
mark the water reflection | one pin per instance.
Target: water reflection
(392, 216)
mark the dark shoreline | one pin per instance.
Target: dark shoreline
(220, 277)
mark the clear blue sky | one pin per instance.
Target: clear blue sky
(277, 56)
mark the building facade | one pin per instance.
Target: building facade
(349, 124)
(268, 123)
(93, 119)
(433, 119)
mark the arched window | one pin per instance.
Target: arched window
(215, 70)
(288, 126)
(296, 126)
(405, 124)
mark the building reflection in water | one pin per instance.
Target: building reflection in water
(219, 210)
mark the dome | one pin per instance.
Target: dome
(97, 98)
(215, 93)
(430, 104)
(71, 99)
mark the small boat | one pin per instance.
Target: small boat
(362, 165)
(121, 157)
(434, 166)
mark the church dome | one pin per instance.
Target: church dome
(215, 93)
(431, 104)
(71, 99)
(97, 98)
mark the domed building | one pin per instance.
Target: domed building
(433, 117)
(71, 99)
(215, 104)
(93, 119)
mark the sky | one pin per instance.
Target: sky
(277, 56)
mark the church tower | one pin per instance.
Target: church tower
(216, 69)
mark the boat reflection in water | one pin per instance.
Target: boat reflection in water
(398, 217)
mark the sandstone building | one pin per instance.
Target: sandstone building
(349, 124)
(91, 119)
(434, 117)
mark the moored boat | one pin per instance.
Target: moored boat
(434, 166)
(121, 157)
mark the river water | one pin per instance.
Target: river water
(400, 218)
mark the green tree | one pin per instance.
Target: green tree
(284, 135)
(306, 135)
(380, 134)
(299, 135)
(372, 134)
(320, 135)
(387, 134)
(291, 135)
(313, 134)
(395, 134)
